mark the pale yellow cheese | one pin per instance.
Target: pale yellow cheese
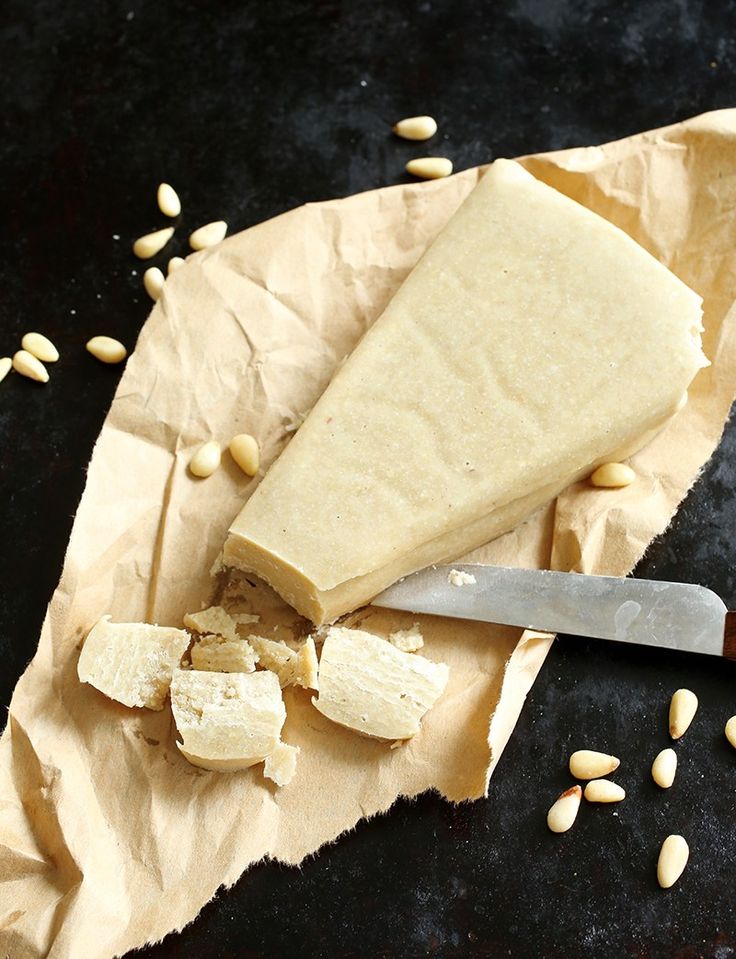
(280, 766)
(368, 685)
(294, 667)
(533, 341)
(214, 619)
(407, 640)
(227, 721)
(132, 662)
(219, 655)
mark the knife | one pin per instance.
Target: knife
(649, 612)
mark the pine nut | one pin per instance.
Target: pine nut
(562, 813)
(664, 768)
(588, 764)
(106, 349)
(613, 476)
(40, 346)
(174, 263)
(6, 365)
(673, 857)
(153, 280)
(244, 450)
(152, 243)
(208, 235)
(603, 790)
(429, 168)
(26, 364)
(682, 402)
(415, 128)
(168, 200)
(683, 707)
(206, 460)
(730, 725)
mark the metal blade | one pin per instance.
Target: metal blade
(672, 615)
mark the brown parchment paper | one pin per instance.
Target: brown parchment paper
(108, 839)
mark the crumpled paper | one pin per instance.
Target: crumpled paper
(108, 838)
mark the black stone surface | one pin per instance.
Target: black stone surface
(249, 109)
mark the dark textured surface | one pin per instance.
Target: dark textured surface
(249, 109)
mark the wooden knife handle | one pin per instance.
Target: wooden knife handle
(729, 636)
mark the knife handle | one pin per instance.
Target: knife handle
(729, 636)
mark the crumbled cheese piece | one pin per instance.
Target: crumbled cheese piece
(214, 619)
(218, 566)
(456, 577)
(227, 721)
(370, 686)
(407, 640)
(132, 662)
(219, 655)
(281, 764)
(294, 667)
(245, 619)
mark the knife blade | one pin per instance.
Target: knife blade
(671, 615)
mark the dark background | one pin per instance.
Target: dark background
(252, 108)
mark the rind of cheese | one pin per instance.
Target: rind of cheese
(368, 685)
(294, 667)
(541, 341)
(219, 655)
(407, 640)
(132, 662)
(227, 721)
(280, 766)
(214, 619)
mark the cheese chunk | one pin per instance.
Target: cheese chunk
(458, 577)
(132, 662)
(368, 685)
(227, 721)
(281, 764)
(533, 341)
(407, 640)
(294, 667)
(214, 619)
(219, 655)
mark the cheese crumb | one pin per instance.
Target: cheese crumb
(214, 619)
(407, 640)
(246, 619)
(220, 655)
(132, 663)
(456, 577)
(227, 721)
(294, 667)
(368, 685)
(281, 764)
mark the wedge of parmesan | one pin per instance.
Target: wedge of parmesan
(214, 619)
(368, 685)
(219, 655)
(294, 667)
(132, 662)
(280, 766)
(227, 721)
(407, 640)
(533, 341)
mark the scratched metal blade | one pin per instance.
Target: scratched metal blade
(673, 615)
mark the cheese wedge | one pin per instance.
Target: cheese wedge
(368, 685)
(533, 341)
(132, 662)
(294, 667)
(227, 721)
